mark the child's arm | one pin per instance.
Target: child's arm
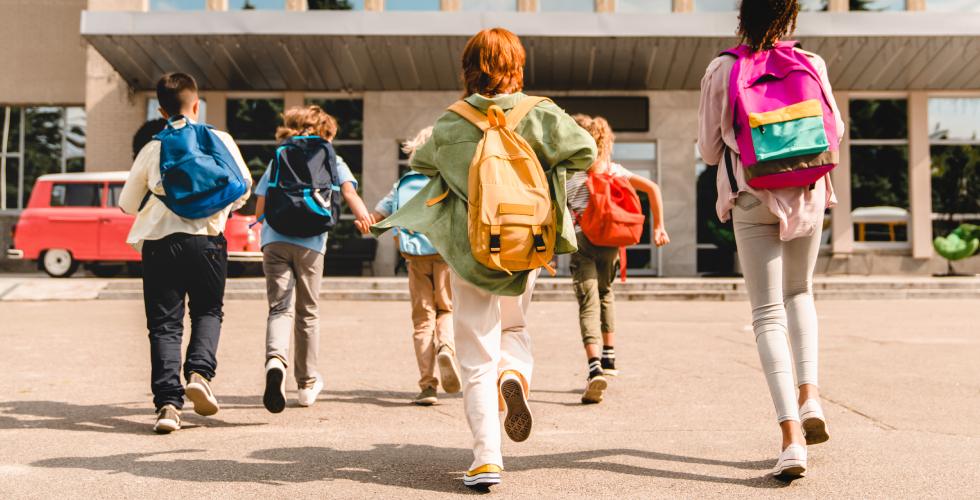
(386, 206)
(364, 220)
(652, 190)
(135, 188)
(259, 206)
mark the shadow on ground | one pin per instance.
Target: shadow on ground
(419, 467)
(113, 418)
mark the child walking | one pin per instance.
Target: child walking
(594, 266)
(490, 304)
(777, 229)
(294, 242)
(428, 285)
(184, 254)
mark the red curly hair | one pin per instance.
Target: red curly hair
(493, 63)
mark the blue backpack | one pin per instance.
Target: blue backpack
(411, 243)
(200, 176)
(304, 197)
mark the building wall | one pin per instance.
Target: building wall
(43, 54)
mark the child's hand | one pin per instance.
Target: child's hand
(363, 222)
(660, 237)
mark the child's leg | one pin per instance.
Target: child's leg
(476, 322)
(606, 276)
(420, 287)
(205, 265)
(279, 284)
(515, 342)
(163, 299)
(799, 261)
(586, 285)
(444, 304)
(308, 266)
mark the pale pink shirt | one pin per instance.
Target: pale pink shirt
(800, 210)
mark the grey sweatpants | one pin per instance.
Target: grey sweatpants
(291, 268)
(778, 277)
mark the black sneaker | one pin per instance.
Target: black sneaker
(609, 362)
(168, 420)
(274, 397)
(427, 397)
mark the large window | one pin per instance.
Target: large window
(489, 5)
(173, 5)
(953, 5)
(877, 5)
(879, 170)
(643, 6)
(43, 140)
(640, 158)
(252, 122)
(412, 5)
(335, 4)
(256, 4)
(715, 5)
(954, 126)
(566, 5)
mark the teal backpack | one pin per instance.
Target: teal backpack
(411, 243)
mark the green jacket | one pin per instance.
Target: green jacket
(561, 145)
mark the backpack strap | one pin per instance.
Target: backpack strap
(518, 112)
(731, 171)
(471, 114)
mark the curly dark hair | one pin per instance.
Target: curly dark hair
(761, 23)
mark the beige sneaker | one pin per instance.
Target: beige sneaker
(791, 464)
(168, 420)
(198, 390)
(518, 421)
(448, 373)
(594, 389)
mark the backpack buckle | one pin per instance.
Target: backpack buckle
(539, 244)
(494, 239)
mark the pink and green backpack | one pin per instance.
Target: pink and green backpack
(784, 124)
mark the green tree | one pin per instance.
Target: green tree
(955, 184)
(248, 5)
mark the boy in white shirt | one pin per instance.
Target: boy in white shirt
(181, 258)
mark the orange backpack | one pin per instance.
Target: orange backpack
(614, 216)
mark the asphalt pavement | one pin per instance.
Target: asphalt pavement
(689, 417)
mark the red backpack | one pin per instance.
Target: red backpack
(614, 216)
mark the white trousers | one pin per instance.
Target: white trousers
(491, 338)
(778, 278)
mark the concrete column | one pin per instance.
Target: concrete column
(113, 110)
(674, 124)
(292, 99)
(451, 5)
(415, 110)
(527, 5)
(916, 5)
(221, 5)
(842, 240)
(683, 5)
(217, 103)
(296, 5)
(374, 5)
(838, 6)
(920, 176)
(605, 5)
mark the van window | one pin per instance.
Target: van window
(76, 195)
(114, 191)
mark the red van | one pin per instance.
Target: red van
(74, 219)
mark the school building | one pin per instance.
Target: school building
(79, 78)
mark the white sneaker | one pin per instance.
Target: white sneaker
(307, 395)
(518, 421)
(813, 422)
(274, 397)
(791, 464)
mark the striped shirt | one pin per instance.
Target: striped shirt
(578, 192)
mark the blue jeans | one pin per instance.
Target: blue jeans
(176, 267)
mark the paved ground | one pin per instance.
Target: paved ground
(689, 417)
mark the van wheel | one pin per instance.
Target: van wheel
(105, 271)
(58, 263)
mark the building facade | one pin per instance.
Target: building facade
(906, 76)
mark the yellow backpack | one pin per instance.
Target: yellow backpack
(511, 217)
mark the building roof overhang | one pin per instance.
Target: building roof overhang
(354, 51)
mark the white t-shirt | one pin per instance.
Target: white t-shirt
(578, 192)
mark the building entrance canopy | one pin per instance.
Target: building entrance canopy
(353, 51)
